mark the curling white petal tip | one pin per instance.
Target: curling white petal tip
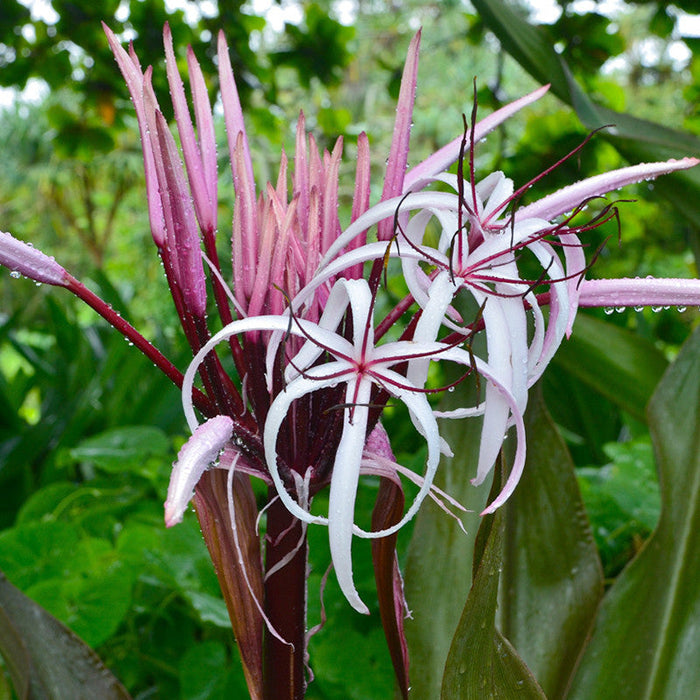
(194, 458)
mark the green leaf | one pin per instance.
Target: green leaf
(93, 603)
(481, 662)
(205, 674)
(46, 660)
(623, 367)
(532, 47)
(350, 659)
(178, 559)
(646, 639)
(120, 449)
(552, 581)
(78, 579)
(622, 501)
(210, 608)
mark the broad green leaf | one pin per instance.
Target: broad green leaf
(35, 551)
(210, 608)
(439, 564)
(621, 365)
(350, 659)
(119, 449)
(178, 559)
(207, 674)
(646, 639)
(586, 420)
(532, 47)
(552, 581)
(622, 501)
(78, 579)
(46, 660)
(481, 663)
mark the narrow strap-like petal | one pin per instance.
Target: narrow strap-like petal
(640, 292)
(447, 155)
(398, 155)
(341, 503)
(134, 77)
(567, 198)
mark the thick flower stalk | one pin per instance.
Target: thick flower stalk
(313, 367)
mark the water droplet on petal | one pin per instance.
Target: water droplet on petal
(15, 274)
(608, 310)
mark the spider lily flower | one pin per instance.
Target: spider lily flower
(311, 375)
(363, 368)
(479, 250)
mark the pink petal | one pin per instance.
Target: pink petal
(190, 148)
(398, 155)
(194, 458)
(640, 292)
(26, 260)
(567, 198)
(134, 77)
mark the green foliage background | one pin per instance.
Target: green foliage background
(88, 431)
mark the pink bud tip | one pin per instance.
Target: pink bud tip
(195, 457)
(23, 259)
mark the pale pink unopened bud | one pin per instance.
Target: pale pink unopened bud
(23, 259)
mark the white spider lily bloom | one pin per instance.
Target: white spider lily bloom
(365, 369)
(479, 250)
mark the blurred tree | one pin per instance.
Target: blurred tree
(64, 46)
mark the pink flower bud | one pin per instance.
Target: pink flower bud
(24, 259)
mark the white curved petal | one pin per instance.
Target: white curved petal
(493, 431)
(537, 342)
(497, 189)
(255, 323)
(245, 325)
(341, 504)
(575, 260)
(370, 251)
(314, 380)
(387, 210)
(360, 297)
(498, 248)
(517, 468)
(501, 402)
(559, 308)
(313, 348)
(418, 405)
(461, 356)
(440, 296)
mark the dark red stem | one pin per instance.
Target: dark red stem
(285, 605)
